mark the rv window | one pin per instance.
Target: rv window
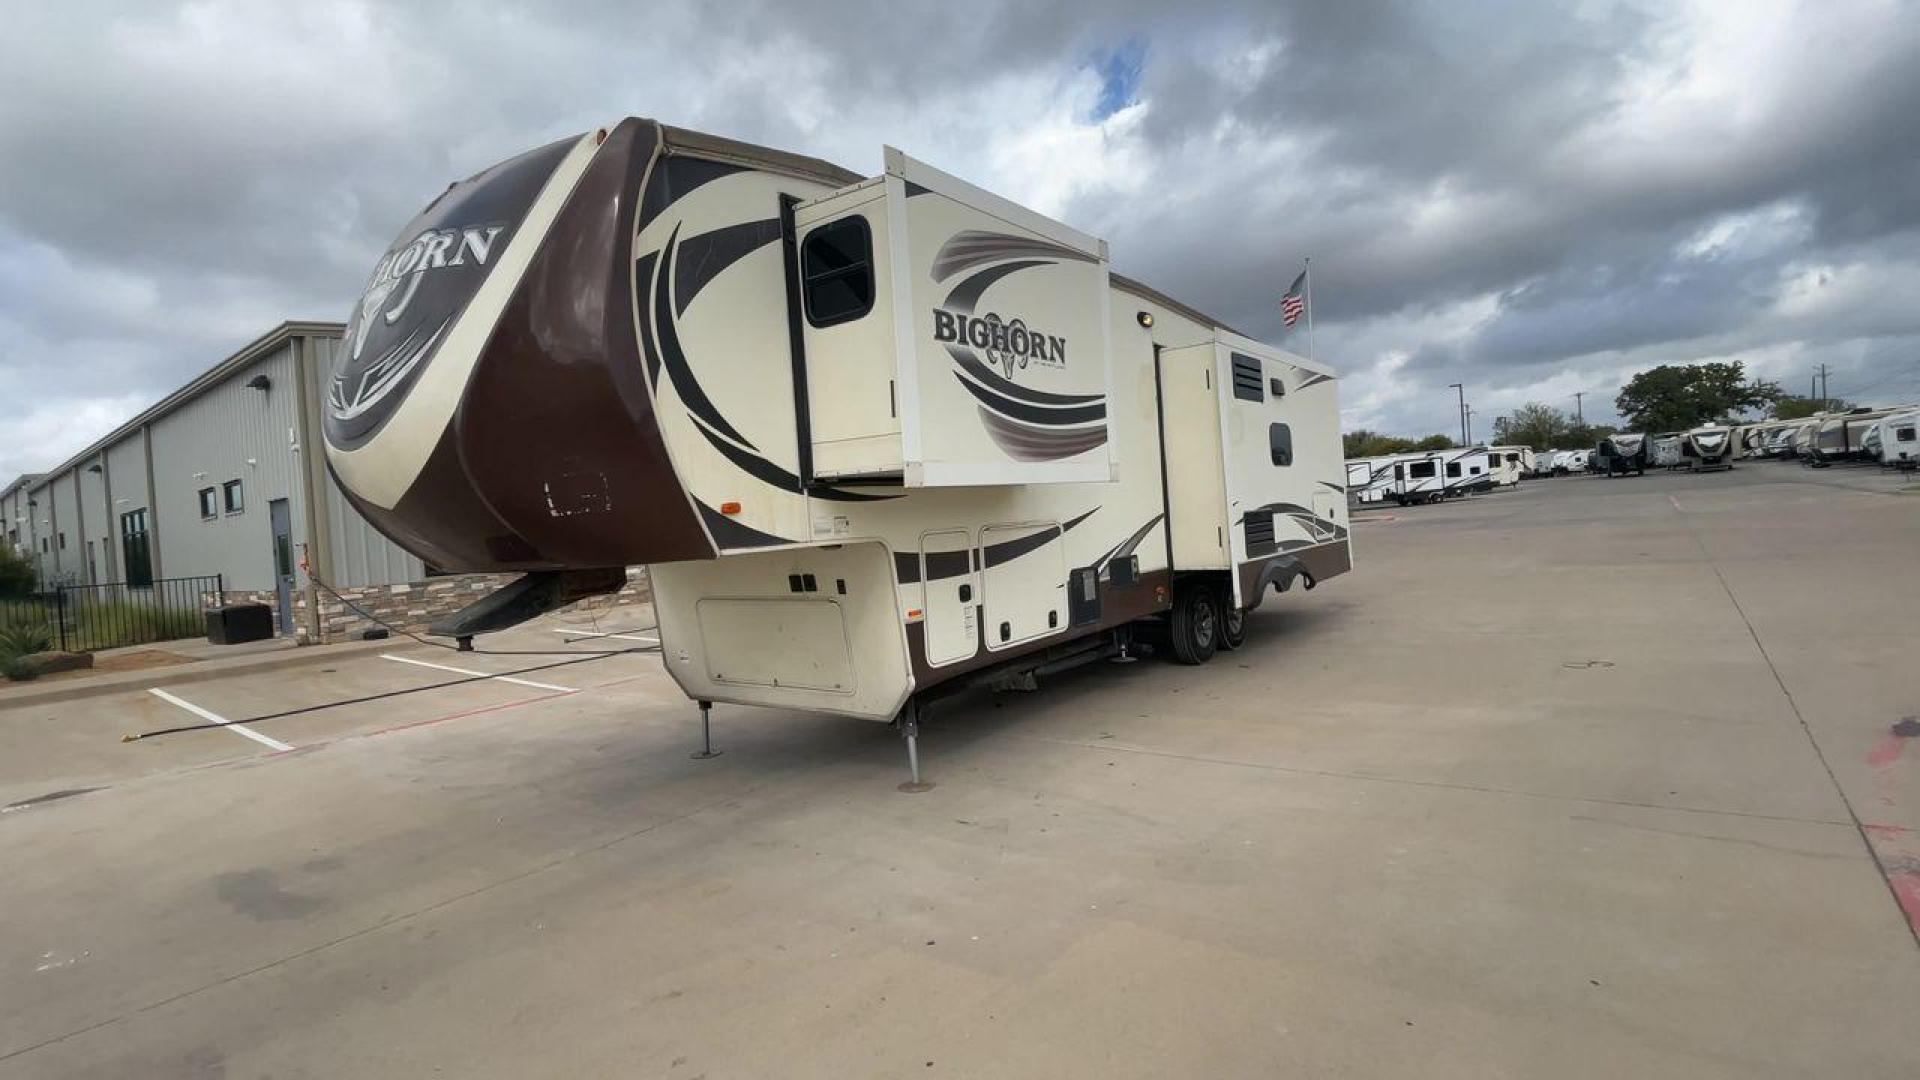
(836, 265)
(1453, 468)
(1475, 470)
(1280, 442)
(1421, 470)
(1903, 434)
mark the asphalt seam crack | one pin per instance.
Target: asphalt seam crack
(1859, 827)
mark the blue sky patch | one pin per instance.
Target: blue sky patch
(1119, 72)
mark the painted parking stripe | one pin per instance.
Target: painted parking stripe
(480, 674)
(237, 729)
(597, 633)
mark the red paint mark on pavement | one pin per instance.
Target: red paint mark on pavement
(1906, 889)
(1886, 751)
(1676, 503)
(1886, 832)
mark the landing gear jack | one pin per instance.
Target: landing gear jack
(909, 725)
(706, 733)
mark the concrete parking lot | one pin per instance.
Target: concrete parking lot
(1592, 778)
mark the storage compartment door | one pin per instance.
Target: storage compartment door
(1025, 582)
(1196, 475)
(795, 643)
(951, 596)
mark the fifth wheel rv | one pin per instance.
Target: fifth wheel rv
(877, 438)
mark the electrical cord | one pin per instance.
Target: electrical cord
(579, 659)
(579, 656)
(404, 632)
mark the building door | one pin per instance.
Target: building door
(282, 562)
(136, 549)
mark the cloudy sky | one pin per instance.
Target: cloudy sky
(1534, 199)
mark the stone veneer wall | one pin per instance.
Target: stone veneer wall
(412, 606)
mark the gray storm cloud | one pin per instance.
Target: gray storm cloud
(1531, 199)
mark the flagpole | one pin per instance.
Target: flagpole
(1309, 273)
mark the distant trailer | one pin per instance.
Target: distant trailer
(1900, 440)
(1404, 479)
(1465, 472)
(1507, 464)
(1709, 448)
(1623, 453)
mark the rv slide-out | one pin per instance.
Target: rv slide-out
(875, 436)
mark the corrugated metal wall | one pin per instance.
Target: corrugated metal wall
(97, 562)
(68, 567)
(229, 432)
(127, 471)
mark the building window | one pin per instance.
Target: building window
(836, 267)
(1280, 443)
(231, 494)
(209, 505)
(63, 541)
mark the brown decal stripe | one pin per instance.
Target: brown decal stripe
(945, 564)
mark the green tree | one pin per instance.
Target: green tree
(1674, 397)
(17, 574)
(1364, 443)
(1794, 407)
(1533, 424)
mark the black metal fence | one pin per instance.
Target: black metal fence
(85, 618)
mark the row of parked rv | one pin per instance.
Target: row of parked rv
(1887, 436)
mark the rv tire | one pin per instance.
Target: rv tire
(1232, 632)
(1195, 625)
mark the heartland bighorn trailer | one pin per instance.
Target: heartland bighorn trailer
(1624, 452)
(876, 438)
(1407, 479)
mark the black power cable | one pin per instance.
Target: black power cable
(580, 659)
(404, 632)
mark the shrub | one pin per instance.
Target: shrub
(24, 639)
(15, 668)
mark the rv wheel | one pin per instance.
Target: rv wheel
(1194, 626)
(1233, 625)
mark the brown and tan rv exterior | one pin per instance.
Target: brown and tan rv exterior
(876, 438)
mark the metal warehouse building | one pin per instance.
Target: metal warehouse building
(226, 477)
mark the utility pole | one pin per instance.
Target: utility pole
(1579, 417)
(1826, 401)
(1462, 390)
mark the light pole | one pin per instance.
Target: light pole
(1578, 416)
(1469, 426)
(1462, 390)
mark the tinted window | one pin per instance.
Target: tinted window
(1453, 468)
(1280, 442)
(1904, 434)
(1421, 470)
(836, 271)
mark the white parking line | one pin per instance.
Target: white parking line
(481, 674)
(237, 729)
(597, 633)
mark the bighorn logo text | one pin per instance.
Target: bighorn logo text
(1009, 344)
(433, 249)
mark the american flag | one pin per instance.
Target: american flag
(1294, 304)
